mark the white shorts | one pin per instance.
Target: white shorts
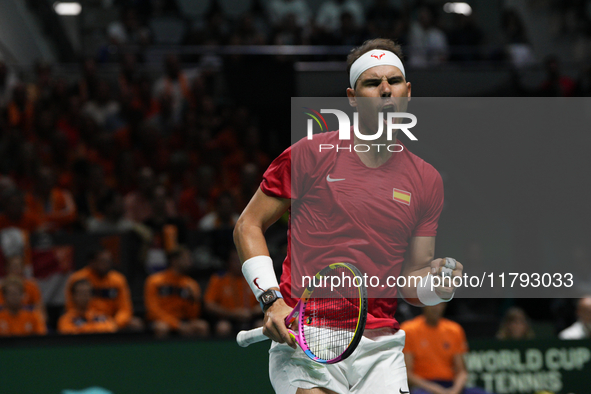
(376, 366)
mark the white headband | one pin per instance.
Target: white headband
(375, 57)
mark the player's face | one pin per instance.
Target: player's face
(379, 89)
(381, 81)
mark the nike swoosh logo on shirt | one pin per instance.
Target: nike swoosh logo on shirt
(328, 178)
(403, 392)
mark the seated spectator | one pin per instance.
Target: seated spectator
(279, 9)
(331, 11)
(197, 199)
(103, 109)
(173, 299)
(90, 182)
(224, 216)
(110, 219)
(517, 46)
(138, 204)
(174, 84)
(428, 44)
(81, 318)
(53, 204)
(581, 329)
(433, 353)
(15, 214)
(110, 295)
(14, 319)
(167, 231)
(515, 325)
(32, 295)
(128, 30)
(228, 298)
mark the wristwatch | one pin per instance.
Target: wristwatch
(268, 298)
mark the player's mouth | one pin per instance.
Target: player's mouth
(389, 107)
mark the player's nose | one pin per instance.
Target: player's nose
(385, 89)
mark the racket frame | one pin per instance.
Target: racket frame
(298, 313)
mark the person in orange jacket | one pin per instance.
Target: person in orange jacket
(32, 295)
(82, 319)
(173, 299)
(54, 205)
(229, 298)
(14, 318)
(111, 295)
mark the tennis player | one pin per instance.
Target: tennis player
(348, 200)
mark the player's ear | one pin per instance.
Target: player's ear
(408, 88)
(351, 97)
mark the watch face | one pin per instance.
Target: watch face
(267, 297)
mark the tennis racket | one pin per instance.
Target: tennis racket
(330, 316)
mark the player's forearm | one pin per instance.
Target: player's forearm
(409, 292)
(249, 240)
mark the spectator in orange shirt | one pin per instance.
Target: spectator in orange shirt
(82, 319)
(14, 319)
(54, 205)
(229, 299)
(32, 295)
(433, 353)
(111, 295)
(15, 215)
(173, 299)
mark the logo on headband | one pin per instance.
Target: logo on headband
(378, 57)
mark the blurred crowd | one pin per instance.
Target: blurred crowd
(431, 34)
(156, 157)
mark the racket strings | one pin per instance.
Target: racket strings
(331, 316)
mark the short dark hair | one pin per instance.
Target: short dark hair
(377, 43)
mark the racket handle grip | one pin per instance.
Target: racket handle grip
(245, 338)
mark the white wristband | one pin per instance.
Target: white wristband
(426, 293)
(259, 274)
